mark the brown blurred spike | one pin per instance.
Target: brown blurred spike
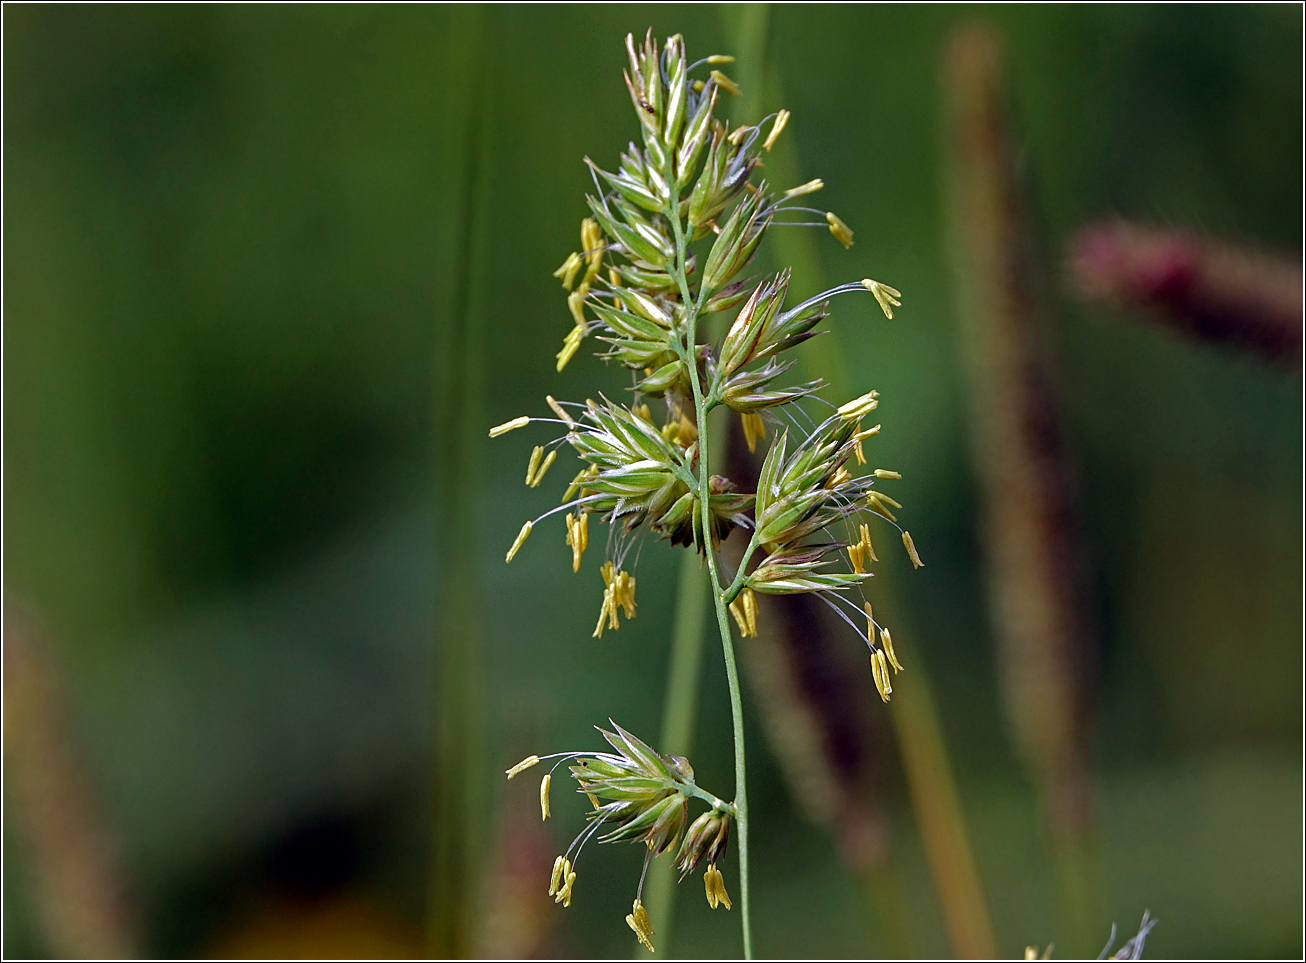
(78, 885)
(1225, 295)
(1027, 532)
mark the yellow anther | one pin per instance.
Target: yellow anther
(867, 548)
(881, 673)
(578, 537)
(590, 236)
(576, 305)
(885, 295)
(811, 187)
(560, 866)
(857, 558)
(618, 596)
(838, 478)
(911, 548)
(859, 438)
(716, 887)
(564, 894)
(536, 454)
(591, 242)
(870, 621)
(542, 469)
(560, 411)
(885, 473)
(777, 127)
(625, 593)
(522, 766)
(720, 59)
(686, 431)
(725, 83)
(754, 428)
(573, 542)
(508, 426)
(879, 503)
(641, 411)
(744, 610)
(518, 541)
(544, 795)
(607, 614)
(859, 406)
(886, 640)
(568, 270)
(841, 231)
(577, 483)
(637, 919)
(570, 344)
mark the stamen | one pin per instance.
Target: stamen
(887, 296)
(811, 187)
(568, 270)
(540, 472)
(522, 766)
(754, 428)
(911, 549)
(859, 407)
(886, 640)
(725, 83)
(716, 887)
(841, 231)
(571, 343)
(508, 426)
(781, 119)
(637, 919)
(881, 674)
(560, 411)
(518, 541)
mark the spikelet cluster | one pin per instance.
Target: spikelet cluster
(638, 795)
(670, 235)
(669, 239)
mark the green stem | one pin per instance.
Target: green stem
(737, 722)
(678, 717)
(461, 789)
(692, 310)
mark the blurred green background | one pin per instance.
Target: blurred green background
(230, 235)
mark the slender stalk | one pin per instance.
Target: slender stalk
(741, 769)
(1029, 536)
(701, 408)
(461, 790)
(927, 765)
(678, 719)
